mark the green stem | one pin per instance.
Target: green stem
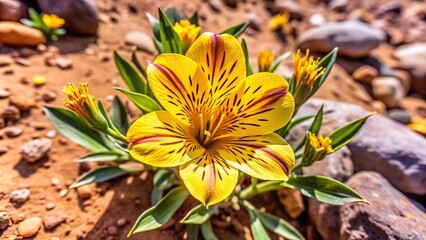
(117, 135)
(261, 188)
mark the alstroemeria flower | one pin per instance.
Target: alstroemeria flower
(216, 121)
(52, 21)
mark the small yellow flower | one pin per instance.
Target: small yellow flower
(306, 72)
(187, 32)
(280, 20)
(418, 124)
(265, 58)
(83, 104)
(319, 142)
(39, 80)
(52, 21)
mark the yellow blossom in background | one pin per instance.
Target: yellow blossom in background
(280, 20)
(306, 72)
(418, 124)
(265, 58)
(216, 121)
(318, 142)
(53, 21)
(187, 32)
(39, 80)
(83, 104)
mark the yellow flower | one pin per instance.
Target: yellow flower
(306, 72)
(265, 58)
(83, 104)
(316, 148)
(52, 21)
(216, 121)
(187, 32)
(39, 80)
(418, 124)
(320, 142)
(280, 20)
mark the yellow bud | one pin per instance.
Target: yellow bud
(53, 21)
(265, 58)
(279, 21)
(187, 32)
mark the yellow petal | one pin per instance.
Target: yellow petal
(160, 140)
(267, 157)
(222, 60)
(180, 86)
(209, 178)
(260, 105)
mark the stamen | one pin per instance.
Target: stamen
(216, 127)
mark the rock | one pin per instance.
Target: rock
(49, 96)
(293, 7)
(292, 201)
(63, 193)
(254, 22)
(414, 106)
(5, 60)
(4, 220)
(4, 93)
(399, 115)
(390, 7)
(379, 107)
(84, 191)
(215, 5)
(51, 134)
(317, 19)
(36, 149)
(231, 3)
(365, 74)
(81, 16)
(141, 40)
(17, 218)
(413, 57)
(338, 5)
(354, 38)
(112, 230)
(29, 227)
(3, 149)
(405, 79)
(63, 63)
(389, 90)
(22, 62)
(20, 196)
(53, 220)
(121, 222)
(13, 10)
(22, 102)
(391, 215)
(27, 52)
(50, 206)
(11, 113)
(337, 165)
(12, 132)
(12, 33)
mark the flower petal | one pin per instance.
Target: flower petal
(209, 178)
(160, 140)
(221, 58)
(267, 157)
(260, 105)
(180, 86)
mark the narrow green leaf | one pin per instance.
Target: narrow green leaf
(119, 115)
(163, 178)
(324, 189)
(69, 125)
(159, 214)
(236, 30)
(199, 214)
(314, 128)
(279, 226)
(137, 64)
(345, 134)
(278, 61)
(60, 31)
(143, 102)
(249, 67)
(327, 62)
(156, 195)
(27, 22)
(207, 231)
(173, 15)
(257, 229)
(130, 75)
(169, 38)
(192, 231)
(158, 46)
(34, 16)
(103, 157)
(100, 174)
(296, 122)
(155, 24)
(194, 18)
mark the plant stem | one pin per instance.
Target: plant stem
(261, 188)
(116, 134)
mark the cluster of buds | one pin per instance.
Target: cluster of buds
(265, 58)
(187, 32)
(316, 148)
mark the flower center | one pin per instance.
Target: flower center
(208, 128)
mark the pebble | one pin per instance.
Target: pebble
(50, 206)
(112, 230)
(365, 74)
(378, 106)
(26, 52)
(5, 61)
(53, 220)
(4, 93)
(22, 102)
(215, 5)
(399, 115)
(64, 63)
(17, 218)
(84, 191)
(121, 222)
(254, 21)
(29, 227)
(20, 196)
(292, 201)
(23, 62)
(36, 149)
(49, 96)
(389, 90)
(51, 134)
(3, 149)
(55, 182)
(11, 113)
(63, 192)
(12, 132)
(141, 40)
(4, 220)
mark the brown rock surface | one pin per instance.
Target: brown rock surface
(12, 33)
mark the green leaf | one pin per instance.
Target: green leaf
(103, 157)
(163, 178)
(327, 62)
(158, 46)
(257, 229)
(199, 214)
(155, 24)
(159, 214)
(156, 195)
(27, 22)
(169, 38)
(207, 231)
(69, 125)
(143, 102)
(192, 231)
(35, 17)
(100, 174)
(314, 128)
(279, 226)
(119, 115)
(130, 75)
(278, 61)
(236, 30)
(194, 18)
(249, 67)
(345, 134)
(284, 130)
(324, 189)
(136, 62)
(173, 15)
(60, 31)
